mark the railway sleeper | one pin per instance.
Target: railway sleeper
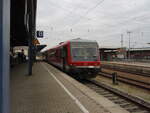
(104, 93)
(124, 104)
(101, 90)
(140, 111)
(114, 98)
(134, 109)
(144, 111)
(120, 101)
(96, 88)
(132, 106)
(109, 95)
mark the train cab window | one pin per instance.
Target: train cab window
(84, 52)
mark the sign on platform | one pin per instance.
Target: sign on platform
(40, 34)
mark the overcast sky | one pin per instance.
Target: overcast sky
(100, 20)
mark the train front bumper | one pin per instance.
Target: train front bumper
(85, 69)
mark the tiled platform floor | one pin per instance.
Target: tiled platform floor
(41, 93)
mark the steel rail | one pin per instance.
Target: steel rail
(140, 104)
(130, 81)
(127, 71)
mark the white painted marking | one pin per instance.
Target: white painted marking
(91, 66)
(67, 91)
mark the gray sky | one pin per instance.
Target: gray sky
(100, 20)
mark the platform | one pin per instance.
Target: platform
(139, 64)
(132, 67)
(49, 90)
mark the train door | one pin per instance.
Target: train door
(64, 57)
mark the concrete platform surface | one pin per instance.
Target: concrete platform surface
(138, 64)
(49, 90)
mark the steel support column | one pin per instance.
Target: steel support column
(30, 22)
(4, 55)
(30, 54)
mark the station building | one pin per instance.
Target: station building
(140, 53)
(111, 53)
(114, 53)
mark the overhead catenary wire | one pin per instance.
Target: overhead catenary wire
(88, 11)
(134, 19)
(95, 6)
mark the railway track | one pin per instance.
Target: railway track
(126, 101)
(127, 70)
(127, 79)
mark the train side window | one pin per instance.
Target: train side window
(61, 53)
(58, 53)
(52, 53)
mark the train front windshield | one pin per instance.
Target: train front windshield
(84, 51)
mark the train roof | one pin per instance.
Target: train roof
(73, 40)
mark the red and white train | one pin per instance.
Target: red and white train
(77, 56)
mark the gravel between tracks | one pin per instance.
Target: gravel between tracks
(141, 93)
(129, 75)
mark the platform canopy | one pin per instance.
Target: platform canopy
(23, 21)
(40, 47)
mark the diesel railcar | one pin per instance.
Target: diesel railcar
(77, 56)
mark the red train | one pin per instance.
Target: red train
(77, 56)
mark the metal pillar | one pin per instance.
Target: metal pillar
(30, 5)
(121, 40)
(30, 57)
(129, 32)
(4, 55)
(114, 78)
